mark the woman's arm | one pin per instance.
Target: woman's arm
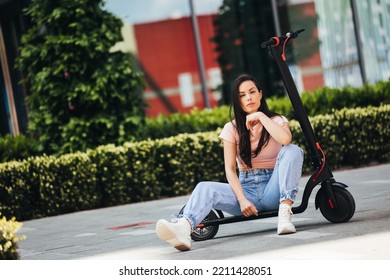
(281, 134)
(230, 152)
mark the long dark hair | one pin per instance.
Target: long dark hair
(244, 144)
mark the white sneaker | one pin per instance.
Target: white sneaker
(177, 233)
(284, 224)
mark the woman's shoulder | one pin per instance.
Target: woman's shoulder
(229, 131)
(231, 124)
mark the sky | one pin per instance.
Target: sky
(140, 11)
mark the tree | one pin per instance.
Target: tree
(241, 26)
(81, 95)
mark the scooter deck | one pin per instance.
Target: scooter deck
(242, 218)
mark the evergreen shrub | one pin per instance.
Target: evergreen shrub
(151, 169)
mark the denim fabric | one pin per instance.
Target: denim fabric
(265, 188)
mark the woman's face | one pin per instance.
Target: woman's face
(250, 97)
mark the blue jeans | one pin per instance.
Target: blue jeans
(265, 188)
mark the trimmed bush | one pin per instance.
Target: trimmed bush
(47, 186)
(127, 173)
(150, 169)
(187, 159)
(66, 184)
(18, 190)
(17, 148)
(350, 137)
(194, 121)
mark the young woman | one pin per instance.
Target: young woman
(258, 142)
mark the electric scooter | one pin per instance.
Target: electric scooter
(333, 199)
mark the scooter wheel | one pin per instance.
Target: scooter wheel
(345, 205)
(208, 232)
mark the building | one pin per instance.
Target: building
(343, 62)
(166, 51)
(167, 54)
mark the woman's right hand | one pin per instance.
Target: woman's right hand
(248, 209)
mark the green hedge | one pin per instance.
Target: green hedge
(194, 121)
(187, 159)
(324, 100)
(150, 169)
(46, 186)
(17, 148)
(350, 137)
(321, 101)
(126, 173)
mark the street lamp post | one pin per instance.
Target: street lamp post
(356, 27)
(199, 56)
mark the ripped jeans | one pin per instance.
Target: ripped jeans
(265, 188)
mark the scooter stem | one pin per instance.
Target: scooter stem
(299, 109)
(323, 174)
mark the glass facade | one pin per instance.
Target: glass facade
(339, 49)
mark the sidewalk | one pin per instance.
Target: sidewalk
(367, 247)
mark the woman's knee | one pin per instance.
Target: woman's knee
(205, 187)
(292, 152)
(201, 187)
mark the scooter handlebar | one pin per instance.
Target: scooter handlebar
(294, 34)
(275, 41)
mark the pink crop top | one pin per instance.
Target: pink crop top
(267, 156)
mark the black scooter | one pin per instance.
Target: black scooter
(334, 201)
